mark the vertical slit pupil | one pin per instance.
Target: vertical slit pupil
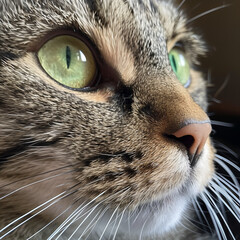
(68, 56)
(174, 64)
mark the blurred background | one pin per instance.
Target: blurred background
(221, 30)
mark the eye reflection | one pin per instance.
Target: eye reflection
(81, 56)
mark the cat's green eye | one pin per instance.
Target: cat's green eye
(180, 66)
(68, 61)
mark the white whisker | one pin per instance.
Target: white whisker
(187, 228)
(93, 226)
(222, 87)
(31, 184)
(76, 215)
(237, 210)
(229, 186)
(36, 208)
(223, 146)
(228, 170)
(223, 124)
(64, 223)
(90, 223)
(54, 202)
(141, 232)
(108, 222)
(214, 217)
(97, 206)
(37, 175)
(73, 215)
(204, 216)
(228, 162)
(72, 219)
(207, 12)
(225, 222)
(40, 230)
(216, 184)
(114, 224)
(181, 4)
(230, 191)
(129, 224)
(90, 212)
(137, 215)
(194, 201)
(119, 223)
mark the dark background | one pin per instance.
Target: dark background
(221, 30)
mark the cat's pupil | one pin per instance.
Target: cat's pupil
(68, 56)
(174, 64)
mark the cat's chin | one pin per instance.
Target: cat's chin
(155, 218)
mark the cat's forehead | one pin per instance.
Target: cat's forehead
(139, 20)
(156, 13)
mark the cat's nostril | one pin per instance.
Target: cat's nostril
(194, 137)
(187, 141)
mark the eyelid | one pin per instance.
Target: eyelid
(38, 43)
(179, 45)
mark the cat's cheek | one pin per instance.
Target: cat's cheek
(204, 170)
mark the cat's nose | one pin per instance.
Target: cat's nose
(194, 137)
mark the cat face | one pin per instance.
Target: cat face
(112, 146)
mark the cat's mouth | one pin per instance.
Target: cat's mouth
(181, 194)
(161, 201)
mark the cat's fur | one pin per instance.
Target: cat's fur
(108, 150)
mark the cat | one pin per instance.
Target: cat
(103, 125)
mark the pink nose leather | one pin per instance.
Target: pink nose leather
(199, 133)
